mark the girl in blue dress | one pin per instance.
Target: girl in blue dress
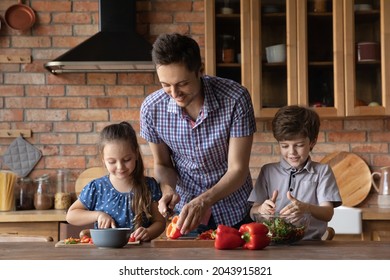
(125, 198)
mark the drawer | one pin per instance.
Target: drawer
(31, 228)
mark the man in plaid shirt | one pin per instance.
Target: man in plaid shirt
(200, 131)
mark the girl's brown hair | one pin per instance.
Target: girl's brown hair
(142, 199)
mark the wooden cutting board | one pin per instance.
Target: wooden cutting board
(181, 243)
(61, 244)
(87, 176)
(352, 174)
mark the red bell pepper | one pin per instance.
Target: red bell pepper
(255, 236)
(227, 238)
(172, 231)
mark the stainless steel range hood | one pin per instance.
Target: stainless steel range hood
(115, 48)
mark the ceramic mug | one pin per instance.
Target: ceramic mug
(227, 11)
(276, 53)
(319, 6)
(368, 51)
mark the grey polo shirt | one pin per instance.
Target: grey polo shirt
(314, 183)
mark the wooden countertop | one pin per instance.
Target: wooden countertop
(305, 250)
(375, 213)
(33, 216)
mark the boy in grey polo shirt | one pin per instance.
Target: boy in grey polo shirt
(296, 184)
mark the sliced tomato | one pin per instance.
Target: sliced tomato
(85, 239)
(132, 239)
(207, 235)
(71, 240)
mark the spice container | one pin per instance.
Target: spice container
(24, 194)
(320, 6)
(62, 198)
(43, 198)
(228, 52)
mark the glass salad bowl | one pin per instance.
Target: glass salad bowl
(284, 229)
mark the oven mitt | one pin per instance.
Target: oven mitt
(21, 156)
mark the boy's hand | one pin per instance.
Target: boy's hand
(296, 207)
(268, 207)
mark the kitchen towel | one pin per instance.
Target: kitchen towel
(21, 156)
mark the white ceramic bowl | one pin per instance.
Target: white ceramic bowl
(284, 229)
(269, 9)
(276, 53)
(110, 237)
(362, 7)
(227, 11)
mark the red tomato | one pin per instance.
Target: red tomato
(85, 239)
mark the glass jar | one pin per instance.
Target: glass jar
(228, 52)
(24, 194)
(43, 197)
(62, 197)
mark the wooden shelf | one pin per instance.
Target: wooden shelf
(25, 216)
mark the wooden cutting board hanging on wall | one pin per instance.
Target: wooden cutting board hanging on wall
(352, 174)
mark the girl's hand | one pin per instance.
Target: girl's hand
(105, 221)
(268, 207)
(296, 207)
(141, 234)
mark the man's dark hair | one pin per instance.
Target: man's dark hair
(177, 48)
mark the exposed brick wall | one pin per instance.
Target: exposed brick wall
(66, 112)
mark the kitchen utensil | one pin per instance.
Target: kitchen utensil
(284, 229)
(353, 176)
(88, 175)
(20, 16)
(24, 238)
(21, 156)
(384, 186)
(276, 53)
(110, 237)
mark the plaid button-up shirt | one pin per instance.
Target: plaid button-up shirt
(200, 151)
